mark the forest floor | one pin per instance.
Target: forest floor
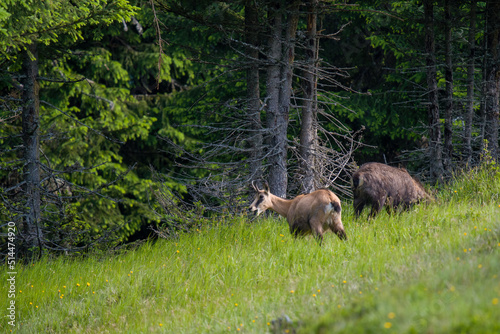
(434, 269)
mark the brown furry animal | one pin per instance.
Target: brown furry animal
(311, 213)
(377, 185)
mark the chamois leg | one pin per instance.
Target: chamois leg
(389, 210)
(296, 231)
(335, 224)
(319, 239)
(358, 207)
(317, 230)
(318, 236)
(339, 231)
(377, 206)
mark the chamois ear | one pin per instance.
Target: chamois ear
(266, 187)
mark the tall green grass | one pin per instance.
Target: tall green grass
(433, 269)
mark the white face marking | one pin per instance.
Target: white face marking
(261, 202)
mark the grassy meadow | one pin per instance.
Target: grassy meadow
(434, 269)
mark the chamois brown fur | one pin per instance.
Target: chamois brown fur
(313, 213)
(377, 184)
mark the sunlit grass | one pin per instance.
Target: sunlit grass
(433, 269)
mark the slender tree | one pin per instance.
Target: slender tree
(469, 114)
(448, 110)
(33, 235)
(253, 87)
(277, 120)
(308, 130)
(492, 77)
(280, 174)
(435, 150)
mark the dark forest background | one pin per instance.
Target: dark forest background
(120, 118)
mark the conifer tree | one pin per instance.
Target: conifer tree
(26, 26)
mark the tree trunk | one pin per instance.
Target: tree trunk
(492, 77)
(281, 50)
(470, 86)
(32, 232)
(253, 91)
(285, 93)
(276, 125)
(308, 130)
(435, 151)
(448, 122)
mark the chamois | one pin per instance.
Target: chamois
(311, 213)
(377, 184)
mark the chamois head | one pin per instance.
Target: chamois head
(262, 200)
